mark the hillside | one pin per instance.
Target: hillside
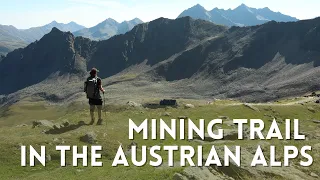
(240, 16)
(184, 58)
(70, 124)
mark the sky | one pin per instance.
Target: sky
(24, 14)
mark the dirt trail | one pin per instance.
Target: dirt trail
(299, 101)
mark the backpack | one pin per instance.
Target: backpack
(91, 88)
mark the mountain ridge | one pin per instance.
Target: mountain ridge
(107, 29)
(183, 58)
(240, 16)
(12, 38)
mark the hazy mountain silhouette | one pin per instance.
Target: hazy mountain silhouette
(12, 38)
(107, 29)
(240, 16)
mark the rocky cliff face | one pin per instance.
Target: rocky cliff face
(155, 42)
(55, 53)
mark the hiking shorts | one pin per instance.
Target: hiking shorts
(95, 101)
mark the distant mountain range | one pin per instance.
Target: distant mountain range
(240, 16)
(107, 29)
(38, 32)
(12, 38)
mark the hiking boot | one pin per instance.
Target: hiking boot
(91, 122)
(99, 122)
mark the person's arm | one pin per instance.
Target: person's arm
(101, 89)
(85, 86)
(100, 86)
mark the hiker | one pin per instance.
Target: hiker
(92, 87)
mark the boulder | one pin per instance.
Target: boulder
(58, 141)
(311, 109)
(43, 123)
(251, 107)
(65, 123)
(133, 104)
(316, 121)
(22, 125)
(48, 158)
(57, 126)
(223, 117)
(229, 123)
(178, 176)
(90, 138)
(132, 144)
(188, 106)
(312, 174)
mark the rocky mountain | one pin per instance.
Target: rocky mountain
(64, 53)
(12, 38)
(240, 16)
(177, 58)
(107, 29)
(54, 53)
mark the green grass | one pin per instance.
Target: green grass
(115, 131)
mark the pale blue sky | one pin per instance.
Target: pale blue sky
(31, 13)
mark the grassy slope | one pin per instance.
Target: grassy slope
(116, 131)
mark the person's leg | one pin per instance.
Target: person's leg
(92, 108)
(99, 107)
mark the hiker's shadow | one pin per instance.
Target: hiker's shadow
(66, 128)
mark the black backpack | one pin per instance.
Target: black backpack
(91, 88)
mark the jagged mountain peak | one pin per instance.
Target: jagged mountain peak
(242, 5)
(135, 20)
(266, 8)
(55, 30)
(110, 20)
(240, 16)
(198, 6)
(53, 22)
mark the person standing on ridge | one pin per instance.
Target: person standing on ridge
(92, 87)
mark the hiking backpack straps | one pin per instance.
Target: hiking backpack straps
(91, 87)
